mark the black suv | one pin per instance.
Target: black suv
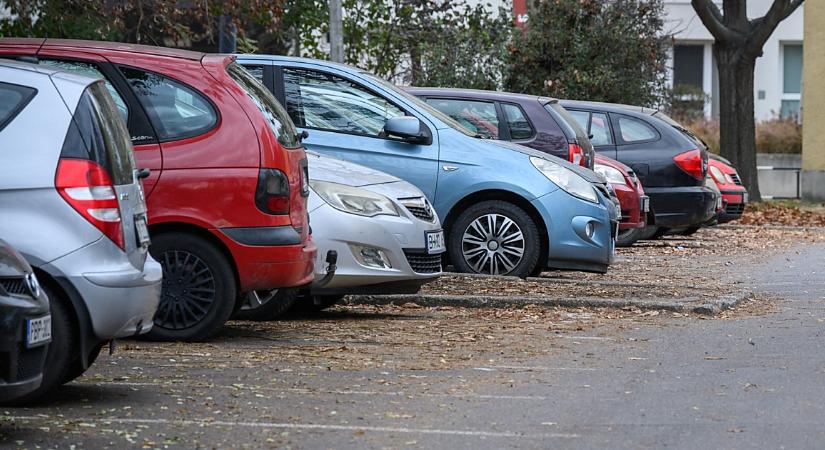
(25, 326)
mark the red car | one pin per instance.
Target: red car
(734, 194)
(635, 204)
(226, 184)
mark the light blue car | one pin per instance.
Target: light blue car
(506, 209)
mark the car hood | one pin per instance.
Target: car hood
(324, 168)
(11, 263)
(585, 173)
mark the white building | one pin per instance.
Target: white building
(778, 76)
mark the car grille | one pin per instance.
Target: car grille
(736, 179)
(14, 286)
(419, 207)
(422, 262)
(735, 208)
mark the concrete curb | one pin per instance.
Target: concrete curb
(561, 280)
(771, 227)
(683, 305)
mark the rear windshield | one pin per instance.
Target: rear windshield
(97, 133)
(567, 122)
(13, 99)
(687, 133)
(273, 112)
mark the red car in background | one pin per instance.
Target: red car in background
(225, 175)
(734, 194)
(635, 204)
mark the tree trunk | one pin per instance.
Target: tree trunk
(737, 139)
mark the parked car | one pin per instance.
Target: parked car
(669, 161)
(506, 209)
(384, 232)
(72, 204)
(734, 194)
(26, 328)
(226, 184)
(537, 122)
(543, 124)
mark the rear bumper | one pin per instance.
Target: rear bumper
(676, 207)
(270, 257)
(566, 218)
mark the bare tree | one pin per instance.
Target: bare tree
(738, 42)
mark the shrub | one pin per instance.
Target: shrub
(772, 136)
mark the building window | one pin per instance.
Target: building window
(791, 80)
(688, 65)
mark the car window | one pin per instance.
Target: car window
(632, 130)
(98, 134)
(328, 102)
(255, 71)
(517, 122)
(176, 111)
(600, 129)
(90, 70)
(582, 117)
(273, 112)
(13, 99)
(478, 117)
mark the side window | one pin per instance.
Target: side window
(90, 70)
(176, 111)
(582, 118)
(327, 102)
(256, 71)
(478, 117)
(600, 129)
(633, 130)
(13, 99)
(520, 127)
(273, 112)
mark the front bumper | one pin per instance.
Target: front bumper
(634, 214)
(567, 218)
(735, 201)
(401, 239)
(681, 207)
(121, 300)
(21, 368)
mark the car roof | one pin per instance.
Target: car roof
(610, 107)
(39, 70)
(475, 93)
(106, 46)
(298, 59)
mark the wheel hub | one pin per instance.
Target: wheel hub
(493, 244)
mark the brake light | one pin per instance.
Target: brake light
(575, 154)
(87, 188)
(691, 163)
(272, 193)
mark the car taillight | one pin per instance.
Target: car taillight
(575, 154)
(272, 194)
(86, 186)
(691, 162)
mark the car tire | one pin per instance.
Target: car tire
(690, 231)
(198, 294)
(77, 367)
(310, 304)
(271, 305)
(469, 252)
(648, 232)
(62, 354)
(629, 237)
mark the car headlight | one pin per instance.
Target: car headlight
(566, 179)
(717, 174)
(354, 200)
(612, 174)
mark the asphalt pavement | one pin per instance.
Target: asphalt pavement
(752, 380)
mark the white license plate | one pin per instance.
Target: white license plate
(745, 197)
(645, 204)
(142, 231)
(38, 331)
(435, 242)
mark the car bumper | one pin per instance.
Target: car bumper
(634, 214)
(400, 239)
(682, 206)
(21, 368)
(569, 246)
(270, 257)
(121, 300)
(735, 201)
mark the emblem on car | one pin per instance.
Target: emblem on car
(33, 285)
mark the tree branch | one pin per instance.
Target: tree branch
(712, 18)
(762, 28)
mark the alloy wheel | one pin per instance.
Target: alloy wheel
(256, 299)
(188, 290)
(493, 244)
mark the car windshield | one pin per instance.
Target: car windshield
(420, 104)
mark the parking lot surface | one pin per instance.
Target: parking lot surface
(401, 376)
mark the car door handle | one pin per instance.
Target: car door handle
(449, 168)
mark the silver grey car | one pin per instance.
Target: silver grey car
(71, 202)
(386, 236)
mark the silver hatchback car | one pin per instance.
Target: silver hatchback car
(71, 202)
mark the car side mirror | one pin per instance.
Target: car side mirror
(408, 128)
(302, 135)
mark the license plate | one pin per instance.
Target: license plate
(435, 242)
(645, 204)
(142, 231)
(745, 197)
(38, 331)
